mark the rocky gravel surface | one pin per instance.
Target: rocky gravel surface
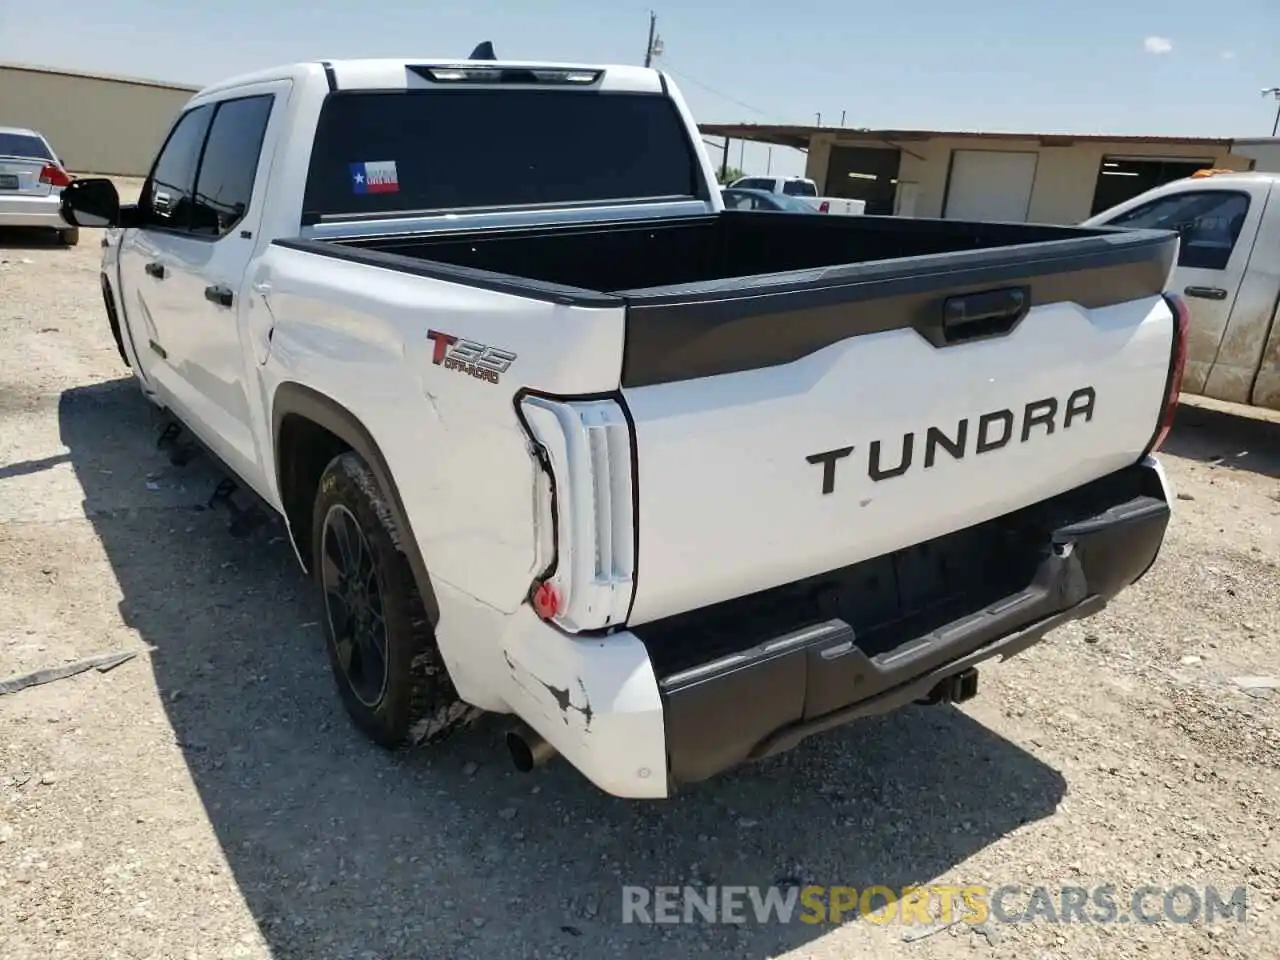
(208, 799)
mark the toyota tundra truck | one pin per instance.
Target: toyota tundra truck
(560, 438)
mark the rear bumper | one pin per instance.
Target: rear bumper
(21, 211)
(611, 708)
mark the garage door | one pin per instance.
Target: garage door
(990, 185)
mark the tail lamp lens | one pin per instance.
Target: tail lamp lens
(1177, 365)
(54, 175)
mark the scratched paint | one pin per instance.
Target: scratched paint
(561, 696)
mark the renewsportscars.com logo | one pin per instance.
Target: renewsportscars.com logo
(929, 905)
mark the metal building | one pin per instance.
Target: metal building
(95, 123)
(1047, 178)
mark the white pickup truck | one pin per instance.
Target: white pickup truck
(1229, 274)
(802, 188)
(558, 437)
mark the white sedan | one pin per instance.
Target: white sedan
(31, 182)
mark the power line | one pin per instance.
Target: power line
(712, 90)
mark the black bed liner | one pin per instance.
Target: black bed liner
(736, 291)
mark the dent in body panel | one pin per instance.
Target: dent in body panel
(570, 712)
(359, 334)
(148, 324)
(465, 536)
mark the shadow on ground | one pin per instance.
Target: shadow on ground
(343, 850)
(1226, 439)
(13, 238)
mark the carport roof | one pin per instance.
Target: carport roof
(799, 136)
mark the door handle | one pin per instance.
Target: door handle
(1206, 293)
(155, 269)
(222, 296)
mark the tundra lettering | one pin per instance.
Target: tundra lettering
(995, 430)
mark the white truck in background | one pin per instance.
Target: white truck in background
(802, 188)
(1228, 272)
(559, 437)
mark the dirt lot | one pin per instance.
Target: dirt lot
(208, 799)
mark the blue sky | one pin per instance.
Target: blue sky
(1086, 66)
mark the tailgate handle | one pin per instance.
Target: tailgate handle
(989, 313)
(1207, 293)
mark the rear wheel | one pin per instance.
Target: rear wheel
(381, 646)
(69, 237)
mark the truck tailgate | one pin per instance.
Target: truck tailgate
(787, 429)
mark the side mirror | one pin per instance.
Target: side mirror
(92, 202)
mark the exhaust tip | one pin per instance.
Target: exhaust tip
(527, 749)
(954, 689)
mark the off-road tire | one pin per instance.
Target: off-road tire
(418, 703)
(69, 237)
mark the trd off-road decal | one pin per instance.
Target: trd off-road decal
(469, 357)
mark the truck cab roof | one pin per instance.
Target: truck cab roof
(1236, 176)
(392, 73)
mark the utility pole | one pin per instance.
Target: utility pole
(819, 116)
(648, 51)
(724, 162)
(1274, 92)
(842, 118)
(768, 166)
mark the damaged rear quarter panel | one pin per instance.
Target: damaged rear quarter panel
(359, 335)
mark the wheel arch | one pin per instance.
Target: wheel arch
(113, 318)
(296, 412)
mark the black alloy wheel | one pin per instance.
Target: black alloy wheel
(353, 602)
(380, 640)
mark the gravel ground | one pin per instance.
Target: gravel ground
(208, 798)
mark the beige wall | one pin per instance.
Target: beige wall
(1065, 176)
(96, 125)
(1264, 153)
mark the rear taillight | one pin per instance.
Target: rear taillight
(585, 512)
(54, 175)
(1177, 364)
(824, 207)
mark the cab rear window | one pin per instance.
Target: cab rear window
(799, 188)
(23, 145)
(388, 152)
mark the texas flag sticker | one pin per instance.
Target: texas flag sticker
(375, 176)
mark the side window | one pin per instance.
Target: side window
(224, 185)
(799, 188)
(166, 196)
(1209, 222)
(756, 183)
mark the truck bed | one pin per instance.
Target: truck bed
(805, 393)
(698, 288)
